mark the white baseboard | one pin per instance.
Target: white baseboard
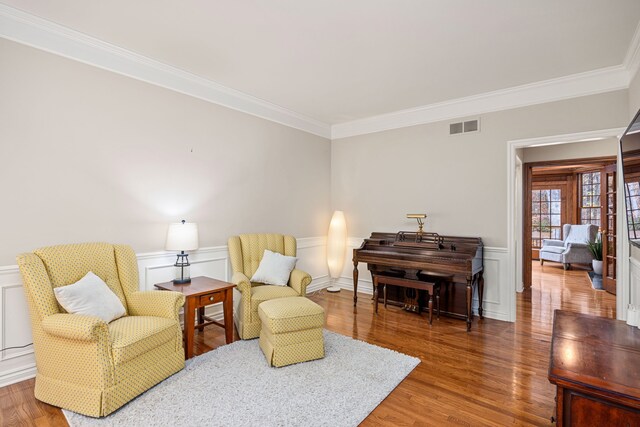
(365, 286)
(22, 373)
(318, 283)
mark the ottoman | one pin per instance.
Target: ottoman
(291, 330)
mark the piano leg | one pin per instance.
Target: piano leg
(469, 296)
(375, 293)
(480, 292)
(372, 278)
(355, 282)
(384, 293)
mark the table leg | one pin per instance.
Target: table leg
(189, 320)
(228, 315)
(201, 316)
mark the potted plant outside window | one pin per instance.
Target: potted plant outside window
(596, 250)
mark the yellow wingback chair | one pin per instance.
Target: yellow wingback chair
(84, 364)
(246, 252)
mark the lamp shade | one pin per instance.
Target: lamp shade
(182, 236)
(336, 244)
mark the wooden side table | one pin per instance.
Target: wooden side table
(201, 292)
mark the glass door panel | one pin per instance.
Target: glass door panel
(548, 214)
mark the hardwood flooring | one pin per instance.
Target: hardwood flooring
(495, 375)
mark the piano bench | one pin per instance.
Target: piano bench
(432, 288)
(433, 276)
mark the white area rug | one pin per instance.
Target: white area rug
(233, 386)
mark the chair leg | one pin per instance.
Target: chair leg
(541, 261)
(566, 266)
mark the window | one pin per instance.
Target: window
(590, 198)
(546, 211)
(632, 190)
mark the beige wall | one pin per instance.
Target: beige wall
(90, 155)
(579, 150)
(459, 181)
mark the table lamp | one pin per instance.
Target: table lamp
(182, 236)
(419, 218)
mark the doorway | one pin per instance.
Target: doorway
(573, 191)
(515, 227)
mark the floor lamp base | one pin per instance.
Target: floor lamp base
(333, 289)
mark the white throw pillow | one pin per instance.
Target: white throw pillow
(90, 296)
(274, 269)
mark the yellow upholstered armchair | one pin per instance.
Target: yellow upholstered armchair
(246, 252)
(84, 364)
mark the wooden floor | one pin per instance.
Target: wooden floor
(496, 375)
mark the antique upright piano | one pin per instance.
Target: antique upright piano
(408, 254)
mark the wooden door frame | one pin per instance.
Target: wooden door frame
(609, 284)
(527, 183)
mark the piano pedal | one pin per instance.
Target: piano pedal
(412, 308)
(411, 300)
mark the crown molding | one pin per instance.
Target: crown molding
(36, 32)
(576, 85)
(632, 59)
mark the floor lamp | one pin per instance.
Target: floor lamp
(336, 248)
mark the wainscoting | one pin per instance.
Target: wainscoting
(498, 293)
(15, 328)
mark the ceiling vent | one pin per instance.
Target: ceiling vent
(464, 127)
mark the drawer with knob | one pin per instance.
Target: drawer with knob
(209, 299)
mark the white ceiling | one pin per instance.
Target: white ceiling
(338, 60)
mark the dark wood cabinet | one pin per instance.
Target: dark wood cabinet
(595, 364)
